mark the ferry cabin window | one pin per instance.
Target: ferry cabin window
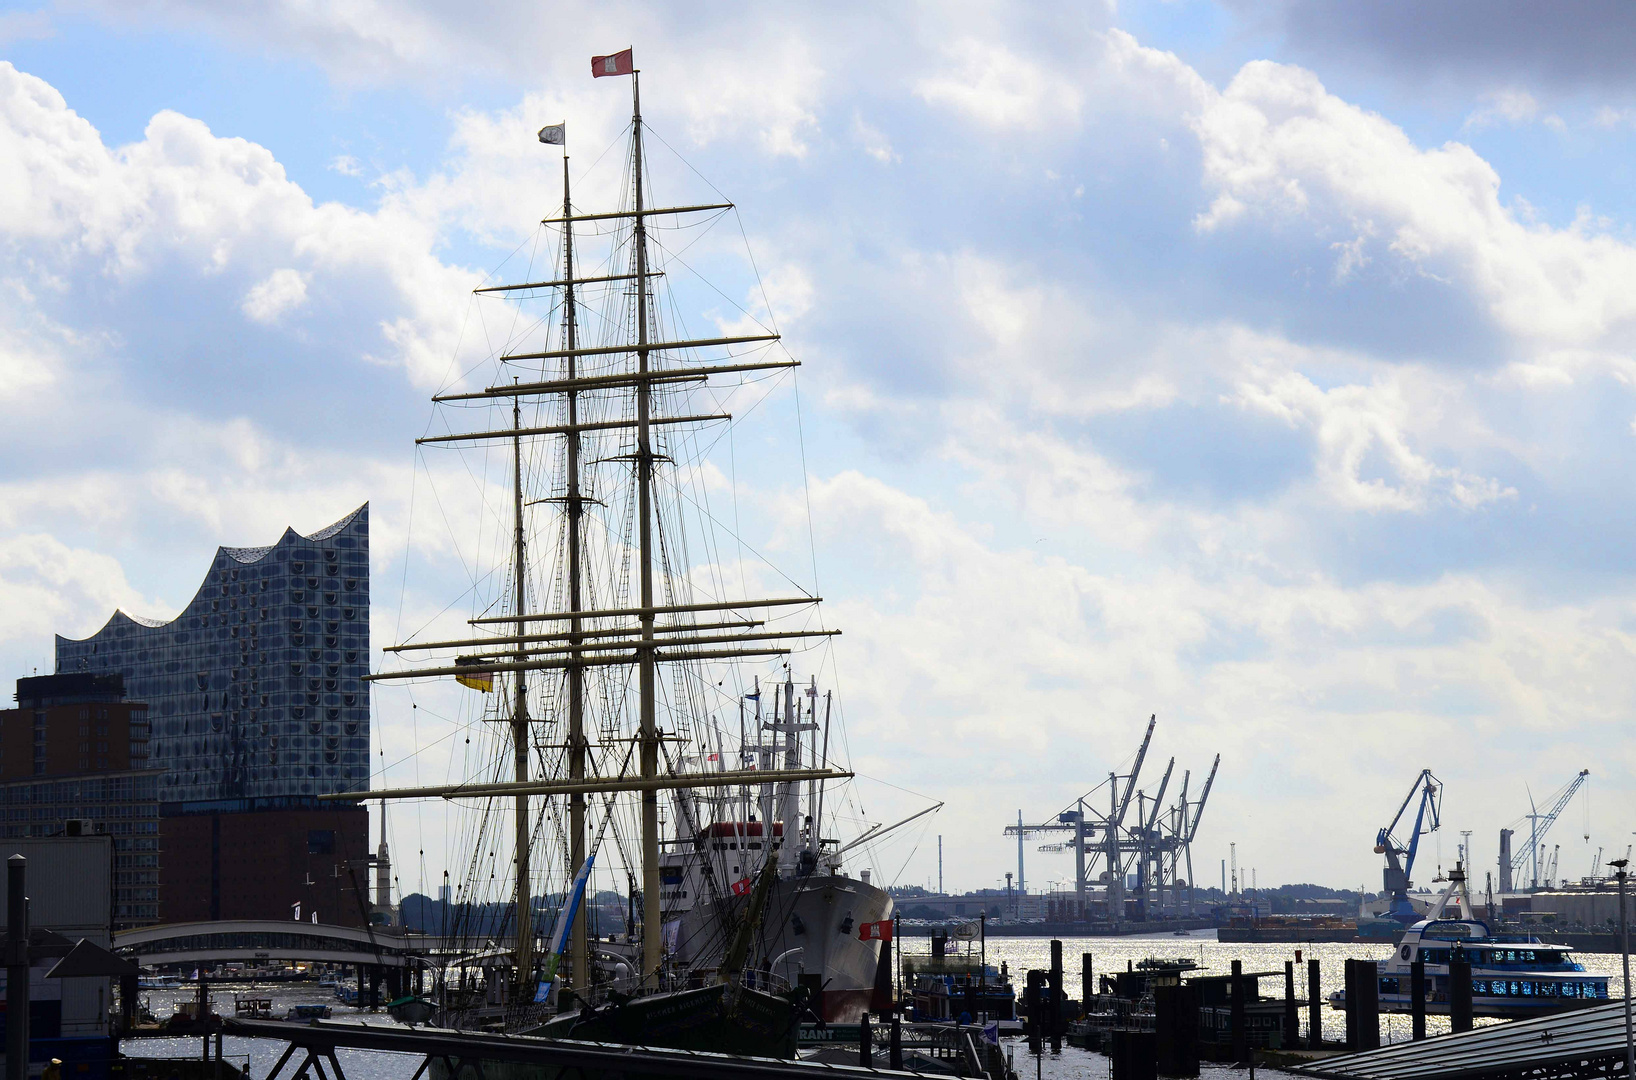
(1520, 956)
(1533, 988)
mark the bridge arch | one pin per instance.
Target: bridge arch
(252, 940)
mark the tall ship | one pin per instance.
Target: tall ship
(643, 718)
(1512, 975)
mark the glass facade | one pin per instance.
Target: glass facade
(255, 691)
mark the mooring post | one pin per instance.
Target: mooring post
(866, 1051)
(894, 1056)
(1460, 993)
(1315, 1006)
(1241, 1042)
(1036, 1009)
(1350, 989)
(1368, 1005)
(1417, 995)
(1056, 1011)
(17, 968)
(1292, 1012)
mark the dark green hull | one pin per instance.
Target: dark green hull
(717, 1018)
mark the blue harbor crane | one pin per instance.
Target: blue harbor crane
(1400, 859)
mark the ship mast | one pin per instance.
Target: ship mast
(635, 638)
(519, 721)
(649, 732)
(579, 946)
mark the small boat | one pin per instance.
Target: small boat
(1512, 975)
(411, 1010)
(302, 1013)
(1154, 963)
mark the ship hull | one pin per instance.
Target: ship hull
(721, 1019)
(810, 932)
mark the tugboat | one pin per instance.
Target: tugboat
(1512, 975)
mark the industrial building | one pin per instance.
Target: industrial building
(255, 704)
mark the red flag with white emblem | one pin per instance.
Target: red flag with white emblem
(875, 931)
(741, 887)
(618, 63)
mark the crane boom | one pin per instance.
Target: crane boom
(1540, 824)
(1135, 771)
(1157, 799)
(1204, 797)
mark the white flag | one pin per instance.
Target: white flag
(554, 135)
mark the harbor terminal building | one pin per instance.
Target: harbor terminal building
(201, 743)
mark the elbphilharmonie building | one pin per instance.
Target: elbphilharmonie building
(257, 705)
(255, 691)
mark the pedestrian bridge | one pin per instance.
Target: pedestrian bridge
(250, 941)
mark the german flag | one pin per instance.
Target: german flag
(477, 680)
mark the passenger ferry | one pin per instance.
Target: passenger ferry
(1512, 975)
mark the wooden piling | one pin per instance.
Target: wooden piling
(1292, 1013)
(1059, 1023)
(1460, 994)
(1417, 998)
(1241, 1040)
(1315, 1007)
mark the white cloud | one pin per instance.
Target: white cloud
(984, 635)
(226, 206)
(1507, 107)
(874, 141)
(986, 81)
(46, 585)
(1363, 427)
(1277, 142)
(25, 26)
(283, 291)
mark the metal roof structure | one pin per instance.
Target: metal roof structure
(1583, 1043)
(464, 1054)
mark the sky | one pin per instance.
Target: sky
(1264, 367)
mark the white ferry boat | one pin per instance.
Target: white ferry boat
(1512, 975)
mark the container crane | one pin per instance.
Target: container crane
(1400, 859)
(1531, 854)
(1104, 836)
